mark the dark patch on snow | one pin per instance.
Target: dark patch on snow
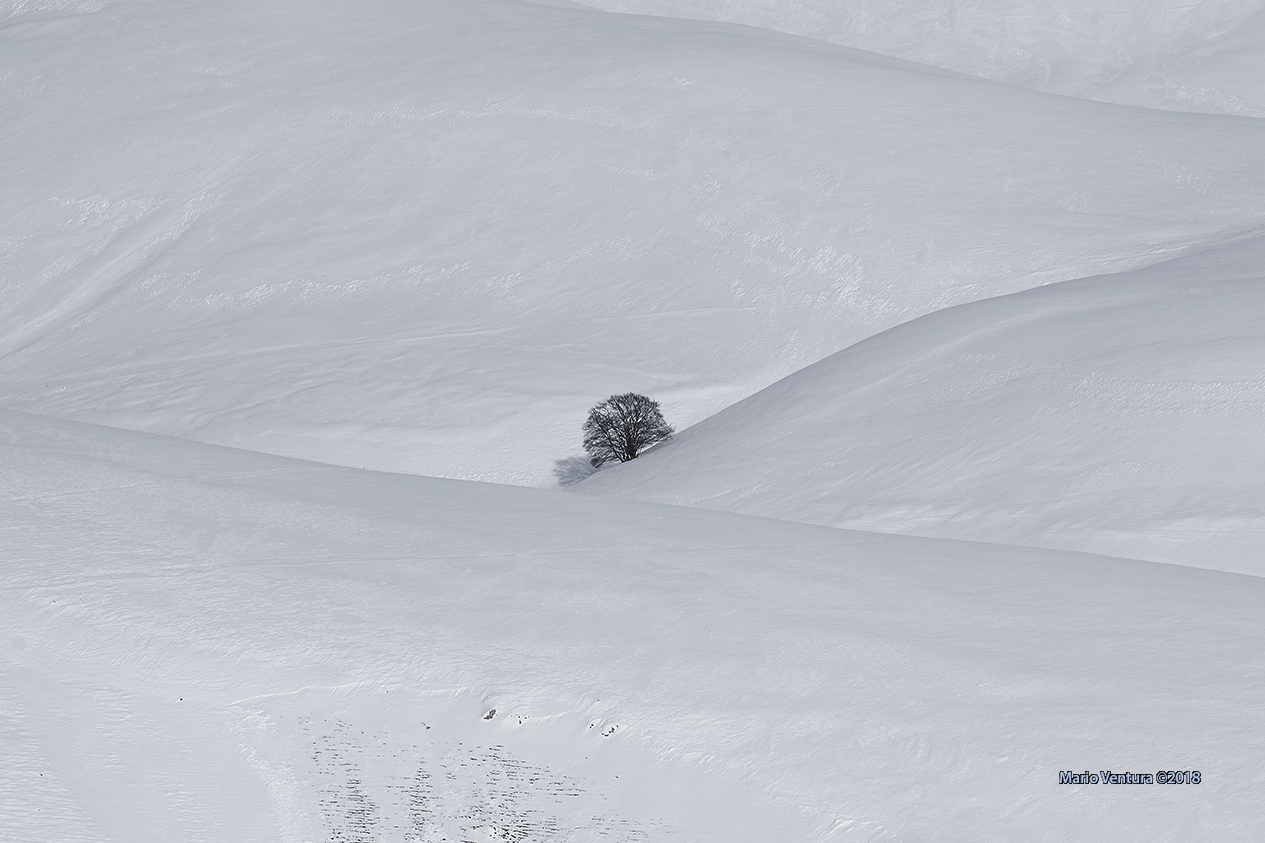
(572, 470)
(372, 790)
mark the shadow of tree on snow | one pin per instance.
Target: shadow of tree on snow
(572, 470)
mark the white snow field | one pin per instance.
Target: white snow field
(1120, 414)
(422, 237)
(202, 644)
(1200, 56)
(427, 236)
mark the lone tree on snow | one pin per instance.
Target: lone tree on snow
(623, 426)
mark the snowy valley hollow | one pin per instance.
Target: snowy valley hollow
(642, 421)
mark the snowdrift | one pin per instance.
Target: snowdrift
(1203, 57)
(203, 644)
(1217, 73)
(1118, 414)
(426, 237)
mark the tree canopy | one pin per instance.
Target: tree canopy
(623, 426)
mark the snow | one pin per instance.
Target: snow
(1117, 414)
(1203, 56)
(426, 238)
(208, 644)
(1216, 74)
(280, 281)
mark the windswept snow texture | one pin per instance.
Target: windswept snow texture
(427, 236)
(1203, 56)
(1220, 74)
(424, 236)
(1121, 414)
(201, 644)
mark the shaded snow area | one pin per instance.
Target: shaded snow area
(1203, 56)
(1121, 414)
(207, 644)
(957, 308)
(426, 237)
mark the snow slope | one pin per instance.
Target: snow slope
(1120, 414)
(1220, 74)
(426, 237)
(1203, 56)
(203, 644)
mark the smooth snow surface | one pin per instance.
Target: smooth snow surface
(1121, 414)
(202, 644)
(426, 237)
(1202, 56)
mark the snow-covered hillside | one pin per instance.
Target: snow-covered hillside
(1204, 56)
(201, 644)
(1122, 414)
(1220, 74)
(426, 237)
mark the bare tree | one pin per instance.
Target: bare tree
(623, 426)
